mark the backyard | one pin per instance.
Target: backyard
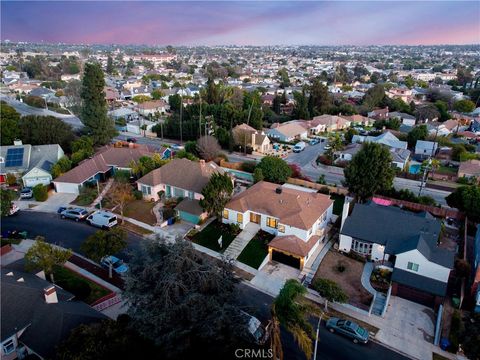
(346, 272)
(209, 236)
(83, 289)
(256, 250)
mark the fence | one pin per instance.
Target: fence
(107, 301)
(231, 165)
(312, 185)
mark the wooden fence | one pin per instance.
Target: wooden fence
(316, 186)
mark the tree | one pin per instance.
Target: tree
(94, 110)
(61, 166)
(72, 92)
(464, 106)
(426, 113)
(292, 311)
(120, 194)
(442, 107)
(157, 94)
(321, 180)
(6, 198)
(9, 119)
(471, 337)
(110, 68)
(190, 309)
(108, 339)
(374, 97)
(466, 199)
(330, 290)
(217, 193)
(300, 111)
(258, 175)
(139, 99)
(104, 243)
(45, 256)
(11, 179)
(44, 130)
(274, 169)
(320, 99)
(417, 133)
(369, 171)
(208, 147)
(284, 80)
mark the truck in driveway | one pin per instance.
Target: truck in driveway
(300, 146)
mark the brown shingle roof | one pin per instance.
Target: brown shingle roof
(470, 167)
(292, 207)
(153, 104)
(293, 245)
(182, 173)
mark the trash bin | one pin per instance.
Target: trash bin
(170, 221)
(444, 343)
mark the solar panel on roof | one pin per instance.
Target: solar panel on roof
(14, 157)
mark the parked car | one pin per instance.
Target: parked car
(102, 219)
(13, 210)
(26, 193)
(314, 141)
(117, 265)
(131, 140)
(61, 208)
(300, 146)
(76, 214)
(259, 332)
(177, 147)
(348, 328)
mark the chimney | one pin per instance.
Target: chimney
(278, 190)
(345, 210)
(50, 295)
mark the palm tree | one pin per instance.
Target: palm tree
(291, 309)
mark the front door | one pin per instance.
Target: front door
(255, 218)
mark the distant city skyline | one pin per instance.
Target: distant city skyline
(243, 23)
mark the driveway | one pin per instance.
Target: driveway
(410, 327)
(273, 276)
(54, 201)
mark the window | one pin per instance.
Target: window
(361, 247)
(225, 214)
(412, 266)
(281, 228)
(146, 190)
(240, 218)
(271, 222)
(8, 346)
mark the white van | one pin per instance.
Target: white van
(300, 146)
(103, 219)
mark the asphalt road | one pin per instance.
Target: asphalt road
(62, 232)
(25, 109)
(330, 346)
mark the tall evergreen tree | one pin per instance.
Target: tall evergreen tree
(94, 111)
(109, 65)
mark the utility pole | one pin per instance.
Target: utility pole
(181, 114)
(246, 131)
(200, 118)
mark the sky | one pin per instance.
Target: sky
(242, 23)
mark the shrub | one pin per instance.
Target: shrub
(235, 228)
(455, 331)
(249, 166)
(324, 190)
(40, 192)
(137, 194)
(11, 179)
(168, 213)
(340, 267)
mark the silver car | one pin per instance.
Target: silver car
(76, 214)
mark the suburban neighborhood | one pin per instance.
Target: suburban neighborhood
(224, 197)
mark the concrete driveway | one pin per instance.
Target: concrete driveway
(54, 201)
(273, 276)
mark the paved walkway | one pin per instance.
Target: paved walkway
(103, 193)
(380, 299)
(242, 239)
(157, 211)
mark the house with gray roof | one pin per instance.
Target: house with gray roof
(387, 139)
(410, 241)
(37, 315)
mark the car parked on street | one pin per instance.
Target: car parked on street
(300, 146)
(76, 214)
(102, 219)
(131, 140)
(117, 264)
(314, 141)
(177, 147)
(26, 193)
(349, 329)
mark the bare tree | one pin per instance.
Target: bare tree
(242, 137)
(208, 147)
(120, 194)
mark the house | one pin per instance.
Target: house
(402, 93)
(469, 169)
(32, 162)
(421, 268)
(297, 217)
(387, 139)
(359, 120)
(148, 108)
(400, 157)
(123, 113)
(246, 135)
(379, 114)
(347, 153)
(137, 126)
(406, 119)
(103, 164)
(37, 315)
(42, 92)
(288, 131)
(331, 122)
(180, 178)
(425, 148)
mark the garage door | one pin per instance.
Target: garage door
(286, 259)
(62, 187)
(415, 295)
(188, 217)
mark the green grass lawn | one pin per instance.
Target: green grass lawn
(338, 201)
(83, 289)
(256, 250)
(209, 236)
(447, 170)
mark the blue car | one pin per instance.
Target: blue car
(117, 265)
(349, 329)
(314, 141)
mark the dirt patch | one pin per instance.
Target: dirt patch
(141, 210)
(349, 279)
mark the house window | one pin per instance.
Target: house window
(191, 194)
(412, 266)
(362, 247)
(281, 228)
(240, 218)
(8, 346)
(225, 214)
(271, 222)
(146, 190)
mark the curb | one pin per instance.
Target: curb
(376, 341)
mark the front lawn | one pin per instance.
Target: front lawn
(338, 201)
(141, 210)
(447, 170)
(84, 289)
(86, 197)
(209, 236)
(256, 250)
